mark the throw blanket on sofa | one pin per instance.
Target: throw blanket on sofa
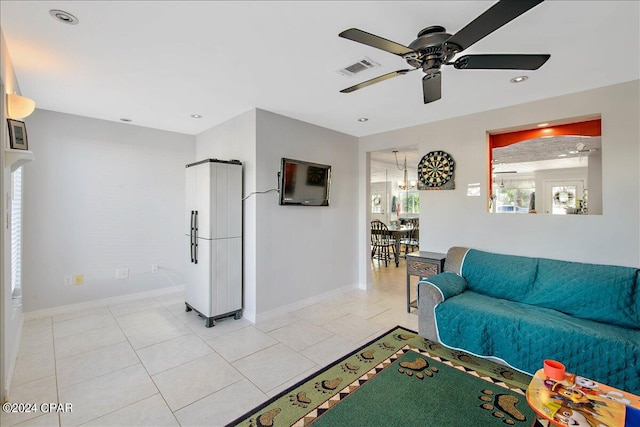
(524, 310)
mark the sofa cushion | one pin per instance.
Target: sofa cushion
(500, 276)
(525, 335)
(604, 293)
(449, 284)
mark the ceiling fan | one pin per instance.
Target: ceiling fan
(434, 47)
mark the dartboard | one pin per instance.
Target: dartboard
(436, 169)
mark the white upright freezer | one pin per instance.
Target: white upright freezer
(214, 239)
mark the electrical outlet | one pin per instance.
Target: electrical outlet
(78, 279)
(122, 273)
(155, 268)
(68, 280)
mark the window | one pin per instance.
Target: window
(515, 196)
(16, 231)
(410, 202)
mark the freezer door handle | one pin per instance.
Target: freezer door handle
(192, 236)
(195, 237)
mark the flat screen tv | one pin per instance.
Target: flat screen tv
(304, 183)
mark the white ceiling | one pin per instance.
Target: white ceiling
(157, 62)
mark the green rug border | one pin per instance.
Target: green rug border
(310, 376)
(494, 375)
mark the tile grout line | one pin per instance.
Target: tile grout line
(55, 371)
(376, 297)
(140, 362)
(154, 383)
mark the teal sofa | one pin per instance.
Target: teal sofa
(522, 310)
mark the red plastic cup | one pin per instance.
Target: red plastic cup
(554, 370)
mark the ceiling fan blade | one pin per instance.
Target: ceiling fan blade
(493, 18)
(431, 87)
(374, 41)
(501, 62)
(375, 80)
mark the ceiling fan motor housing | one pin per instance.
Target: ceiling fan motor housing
(428, 49)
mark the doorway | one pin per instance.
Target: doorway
(564, 197)
(394, 200)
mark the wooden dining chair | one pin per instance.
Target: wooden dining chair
(381, 241)
(411, 241)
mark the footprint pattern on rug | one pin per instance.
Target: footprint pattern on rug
(465, 358)
(299, 399)
(366, 356)
(502, 406)
(265, 419)
(386, 346)
(504, 373)
(403, 337)
(431, 345)
(328, 386)
(418, 368)
(350, 368)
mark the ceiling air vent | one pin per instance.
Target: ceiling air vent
(358, 67)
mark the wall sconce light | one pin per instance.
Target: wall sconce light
(19, 107)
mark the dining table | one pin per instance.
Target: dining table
(397, 233)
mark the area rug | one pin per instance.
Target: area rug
(401, 379)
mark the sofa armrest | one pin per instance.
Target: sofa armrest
(455, 259)
(431, 292)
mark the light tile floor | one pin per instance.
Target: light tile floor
(149, 363)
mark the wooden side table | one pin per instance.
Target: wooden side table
(424, 265)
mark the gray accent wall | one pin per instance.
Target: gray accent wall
(304, 251)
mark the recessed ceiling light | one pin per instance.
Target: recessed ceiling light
(562, 155)
(519, 79)
(125, 120)
(573, 152)
(541, 125)
(196, 116)
(64, 17)
(363, 119)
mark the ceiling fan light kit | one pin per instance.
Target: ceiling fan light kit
(434, 48)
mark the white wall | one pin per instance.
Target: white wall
(304, 251)
(11, 311)
(101, 196)
(236, 139)
(450, 218)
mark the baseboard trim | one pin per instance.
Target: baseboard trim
(268, 315)
(71, 308)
